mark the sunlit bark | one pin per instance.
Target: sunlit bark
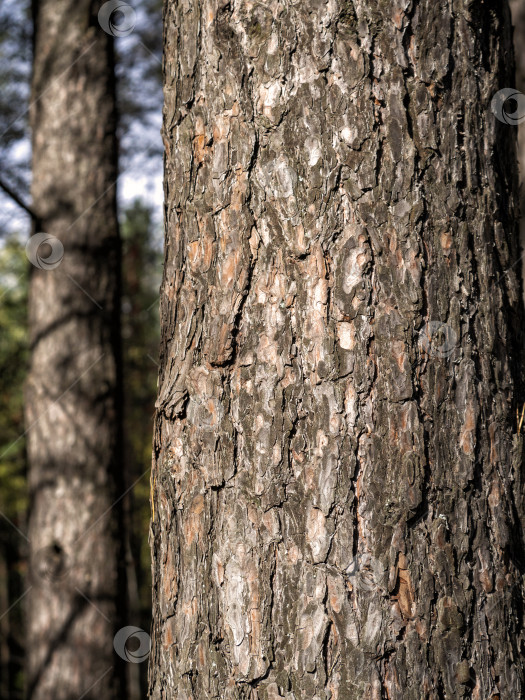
(337, 481)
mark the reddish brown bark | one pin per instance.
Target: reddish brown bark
(337, 481)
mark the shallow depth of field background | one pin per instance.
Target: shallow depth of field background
(140, 203)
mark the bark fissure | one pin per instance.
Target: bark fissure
(352, 195)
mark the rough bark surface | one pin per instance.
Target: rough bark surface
(73, 404)
(337, 488)
(518, 21)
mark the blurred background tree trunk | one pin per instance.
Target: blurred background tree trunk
(337, 482)
(73, 398)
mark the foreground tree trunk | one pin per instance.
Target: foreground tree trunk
(337, 484)
(518, 21)
(73, 392)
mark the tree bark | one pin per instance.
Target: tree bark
(518, 20)
(73, 397)
(337, 483)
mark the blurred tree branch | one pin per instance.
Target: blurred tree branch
(9, 191)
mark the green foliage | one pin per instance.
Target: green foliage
(13, 360)
(142, 269)
(13, 492)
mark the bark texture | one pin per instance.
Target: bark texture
(337, 482)
(73, 391)
(518, 21)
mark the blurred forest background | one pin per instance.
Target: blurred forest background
(138, 68)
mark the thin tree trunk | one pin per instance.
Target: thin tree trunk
(73, 392)
(337, 481)
(5, 652)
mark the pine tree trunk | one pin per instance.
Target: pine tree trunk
(337, 482)
(73, 392)
(518, 21)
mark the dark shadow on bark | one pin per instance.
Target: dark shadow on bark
(79, 605)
